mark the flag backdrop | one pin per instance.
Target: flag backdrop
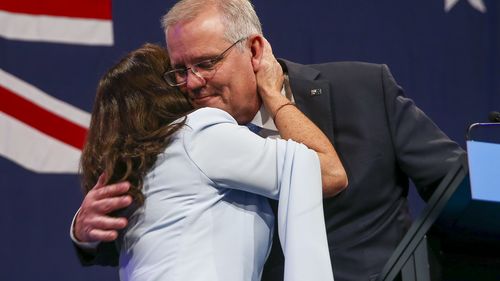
(444, 53)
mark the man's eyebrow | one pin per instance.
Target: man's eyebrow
(178, 66)
(195, 61)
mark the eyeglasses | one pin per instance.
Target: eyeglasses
(204, 69)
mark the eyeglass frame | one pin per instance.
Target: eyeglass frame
(172, 81)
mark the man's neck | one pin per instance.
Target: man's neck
(262, 118)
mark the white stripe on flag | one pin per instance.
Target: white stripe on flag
(56, 29)
(34, 150)
(49, 103)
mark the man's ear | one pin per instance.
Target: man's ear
(257, 50)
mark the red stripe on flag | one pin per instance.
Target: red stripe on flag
(93, 9)
(41, 119)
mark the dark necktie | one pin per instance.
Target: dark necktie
(254, 128)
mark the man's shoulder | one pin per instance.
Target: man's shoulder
(338, 69)
(332, 64)
(347, 65)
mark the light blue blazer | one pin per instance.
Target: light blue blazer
(206, 215)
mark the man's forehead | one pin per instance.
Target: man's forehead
(191, 54)
(196, 37)
(187, 51)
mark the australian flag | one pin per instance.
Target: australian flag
(444, 53)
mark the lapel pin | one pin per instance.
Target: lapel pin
(315, 92)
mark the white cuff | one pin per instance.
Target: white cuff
(82, 245)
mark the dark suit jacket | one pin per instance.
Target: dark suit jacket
(382, 139)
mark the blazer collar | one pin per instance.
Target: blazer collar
(311, 94)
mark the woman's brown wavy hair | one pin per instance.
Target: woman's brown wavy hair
(131, 120)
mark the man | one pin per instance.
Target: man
(381, 136)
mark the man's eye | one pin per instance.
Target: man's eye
(209, 64)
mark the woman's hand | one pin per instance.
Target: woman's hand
(269, 75)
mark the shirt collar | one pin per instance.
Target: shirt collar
(262, 118)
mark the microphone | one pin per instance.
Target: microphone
(494, 116)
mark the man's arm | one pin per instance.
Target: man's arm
(424, 152)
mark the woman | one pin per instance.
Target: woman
(199, 179)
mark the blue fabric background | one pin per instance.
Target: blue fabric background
(448, 63)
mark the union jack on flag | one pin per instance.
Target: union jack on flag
(39, 131)
(52, 54)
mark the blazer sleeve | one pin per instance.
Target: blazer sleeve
(233, 157)
(422, 150)
(106, 255)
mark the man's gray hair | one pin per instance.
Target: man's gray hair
(238, 16)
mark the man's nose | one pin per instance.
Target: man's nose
(194, 80)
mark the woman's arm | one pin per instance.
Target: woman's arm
(293, 124)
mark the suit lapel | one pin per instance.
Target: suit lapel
(312, 95)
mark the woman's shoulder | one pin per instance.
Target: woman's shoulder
(208, 116)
